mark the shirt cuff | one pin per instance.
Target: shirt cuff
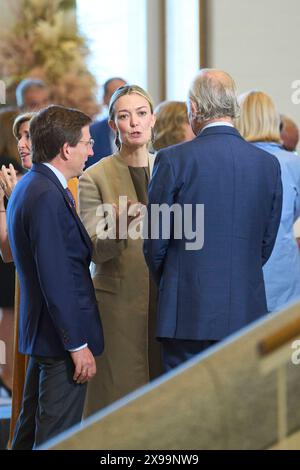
(79, 348)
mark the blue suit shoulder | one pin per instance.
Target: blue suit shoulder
(99, 126)
(265, 157)
(101, 133)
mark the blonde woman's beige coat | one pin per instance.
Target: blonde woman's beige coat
(121, 281)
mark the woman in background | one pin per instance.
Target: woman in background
(7, 285)
(172, 124)
(125, 293)
(259, 124)
(8, 179)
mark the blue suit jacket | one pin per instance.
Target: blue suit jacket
(100, 132)
(211, 292)
(52, 253)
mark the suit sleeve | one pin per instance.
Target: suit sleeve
(51, 248)
(162, 190)
(95, 219)
(274, 219)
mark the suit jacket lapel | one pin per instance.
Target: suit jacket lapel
(40, 168)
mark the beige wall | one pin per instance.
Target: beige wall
(258, 42)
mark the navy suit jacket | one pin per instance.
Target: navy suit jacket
(52, 253)
(208, 293)
(100, 132)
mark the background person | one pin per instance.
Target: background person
(101, 132)
(259, 124)
(172, 124)
(7, 287)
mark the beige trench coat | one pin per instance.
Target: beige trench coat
(121, 281)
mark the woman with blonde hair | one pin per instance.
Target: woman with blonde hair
(259, 123)
(125, 293)
(172, 124)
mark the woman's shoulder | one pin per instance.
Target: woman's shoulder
(103, 163)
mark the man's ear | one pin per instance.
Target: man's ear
(65, 151)
(112, 125)
(193, 108)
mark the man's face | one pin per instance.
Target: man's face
(35, 98)
(80, 153)
(111, 88)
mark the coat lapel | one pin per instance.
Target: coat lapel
(40, 168)
(151, 163)
(122, 176)
(125, 185)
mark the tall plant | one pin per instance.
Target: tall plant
(44, 42)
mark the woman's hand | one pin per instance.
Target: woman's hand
(125, 217)
(8, 179)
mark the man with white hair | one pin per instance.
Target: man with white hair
(208, 291)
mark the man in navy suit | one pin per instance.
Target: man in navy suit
(60, 326)
(208, 292)
(100, 131)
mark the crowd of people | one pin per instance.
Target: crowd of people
(113, 293)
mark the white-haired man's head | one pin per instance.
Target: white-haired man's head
(212, 97)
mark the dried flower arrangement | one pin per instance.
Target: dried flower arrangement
(45, 43)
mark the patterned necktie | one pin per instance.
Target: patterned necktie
(70, 198)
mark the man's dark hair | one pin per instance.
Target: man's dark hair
(52, 127)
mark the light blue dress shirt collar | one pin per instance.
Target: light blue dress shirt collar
(58, 174)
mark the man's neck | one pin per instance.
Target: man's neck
(60, 168)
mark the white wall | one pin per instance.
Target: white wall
(258, 43)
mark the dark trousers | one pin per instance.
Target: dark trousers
(177, 351)
(52, 401)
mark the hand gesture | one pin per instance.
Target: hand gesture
(132, 212)
(8, 179)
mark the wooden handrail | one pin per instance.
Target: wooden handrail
(279, 338)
